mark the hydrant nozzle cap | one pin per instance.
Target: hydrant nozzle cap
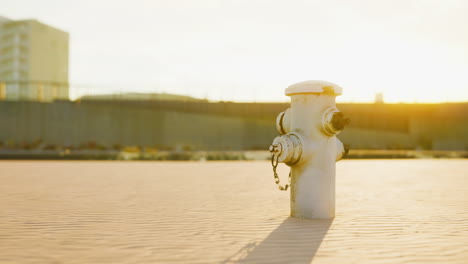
(315, 87)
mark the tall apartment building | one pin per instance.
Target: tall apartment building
(33, 61)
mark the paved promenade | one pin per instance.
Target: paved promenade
(388, 211)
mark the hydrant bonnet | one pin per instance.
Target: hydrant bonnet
(315, 87)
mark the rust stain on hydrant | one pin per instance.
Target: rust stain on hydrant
(308, 144)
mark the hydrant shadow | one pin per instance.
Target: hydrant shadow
(293, 241)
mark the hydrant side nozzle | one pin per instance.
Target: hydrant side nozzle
(333, 121)
(288, 148)
(341, 150)
(283, 122)
(279, 123)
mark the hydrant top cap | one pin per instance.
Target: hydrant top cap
(320, 87)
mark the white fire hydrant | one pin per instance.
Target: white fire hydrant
(308, 144)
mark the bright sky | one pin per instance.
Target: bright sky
(250, 50)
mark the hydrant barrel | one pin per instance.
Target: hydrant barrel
(310, 147)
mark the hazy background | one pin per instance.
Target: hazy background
(412, 51)
(138, 76)
(133, 76)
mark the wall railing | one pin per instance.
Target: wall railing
(42, 91)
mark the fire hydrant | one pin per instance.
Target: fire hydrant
(308, 144)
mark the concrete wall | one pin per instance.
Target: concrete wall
(128, 124)
(65, 124)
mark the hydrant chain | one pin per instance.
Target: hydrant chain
(274, 164)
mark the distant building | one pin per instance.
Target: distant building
(33, 61)
(379, 98)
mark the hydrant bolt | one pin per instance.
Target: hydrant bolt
(339, 121)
